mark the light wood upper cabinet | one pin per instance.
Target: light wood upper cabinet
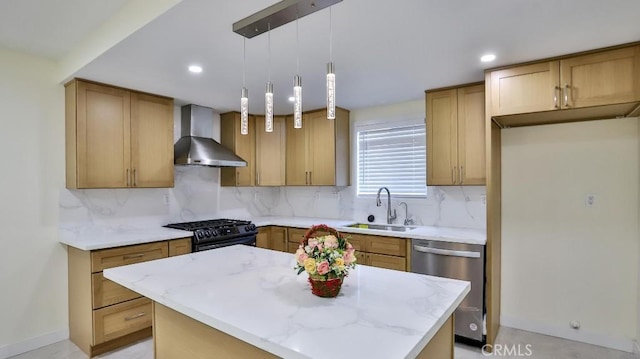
(318, 153)
(455, 136)
(297, 156)
(242, 145)
(270, 152)
(116, 138)
(522, 89)
(151, 141)
(597, 85)
(600, 79)
(471, 138)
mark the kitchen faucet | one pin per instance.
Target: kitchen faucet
(390, 218)
(407, 221)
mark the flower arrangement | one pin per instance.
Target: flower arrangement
(325, 257)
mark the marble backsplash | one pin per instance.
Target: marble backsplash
(198, 195)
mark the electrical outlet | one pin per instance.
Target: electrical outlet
(483, 199)
(590, 201)
(165, 199)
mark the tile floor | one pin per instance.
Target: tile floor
(542, 347)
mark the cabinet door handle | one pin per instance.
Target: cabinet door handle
(461, 172)
(310, 178)
(258, 178)
(132, 256)
(141, 314)
(566, 95)
(306, 177)
(134, 178)
(556, 91)
(453, 175)
(237, 178)
(128, 181)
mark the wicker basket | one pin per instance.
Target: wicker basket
(321, 285)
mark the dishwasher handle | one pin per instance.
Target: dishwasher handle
(447, 252)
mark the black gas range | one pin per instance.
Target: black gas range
(216, 233)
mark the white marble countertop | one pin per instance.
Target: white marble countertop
(91, 236)
(253, 294)
(445, 234)
(88, 236)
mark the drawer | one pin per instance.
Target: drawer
(106, 292)
(386, 245)
(388, 262)
(121, 319)
(179, 247)
(115, 257)
(295, 235)
(292, 247)
(358, 241)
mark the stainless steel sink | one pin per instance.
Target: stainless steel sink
(383, 227)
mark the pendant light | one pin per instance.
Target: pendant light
(331, 78)
(268, 95)
(244, 99)
(297, 86)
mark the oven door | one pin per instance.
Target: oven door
(246, 240)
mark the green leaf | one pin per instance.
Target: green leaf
(300, 270)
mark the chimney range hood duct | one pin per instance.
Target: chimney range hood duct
(201, 151)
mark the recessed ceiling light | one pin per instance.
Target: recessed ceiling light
(291, 98)
(488, 58)
(195, 69)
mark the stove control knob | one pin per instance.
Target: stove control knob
(215, 232)
(207, 233)
(247, 228)
(199, 235)
(253, 227)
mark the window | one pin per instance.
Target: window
(394, 158)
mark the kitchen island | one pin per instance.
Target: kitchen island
(242, 301)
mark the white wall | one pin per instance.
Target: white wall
(562, 260)
(33, 265)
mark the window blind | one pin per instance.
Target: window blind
(395, 158)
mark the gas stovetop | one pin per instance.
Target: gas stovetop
(217, 229)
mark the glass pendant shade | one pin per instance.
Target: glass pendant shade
(268, 108)
(297, 102)
(244, 112)
(331, 92)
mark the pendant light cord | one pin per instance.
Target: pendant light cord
(297, 47)
(269, 52)
(244, 60)
(330, 37)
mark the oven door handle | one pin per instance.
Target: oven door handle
(447, 252)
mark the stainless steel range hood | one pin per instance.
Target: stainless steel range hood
(201, 151)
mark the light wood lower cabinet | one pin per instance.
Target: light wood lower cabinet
(385, 261)
(102, 314)
(118, 320)
(272, 237)
(106, 292)
(376, 251)
(178, 247)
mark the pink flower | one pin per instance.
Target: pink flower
(331, 241)
(349, 257)
(301, 255)
(313, 242)
(320, 247)
(323, 268)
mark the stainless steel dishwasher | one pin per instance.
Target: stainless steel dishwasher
(456, 261)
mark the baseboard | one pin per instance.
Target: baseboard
(33, 343)
(636, 349)
(603, 340)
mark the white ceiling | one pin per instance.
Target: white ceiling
(384, 51)
(50, 28)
